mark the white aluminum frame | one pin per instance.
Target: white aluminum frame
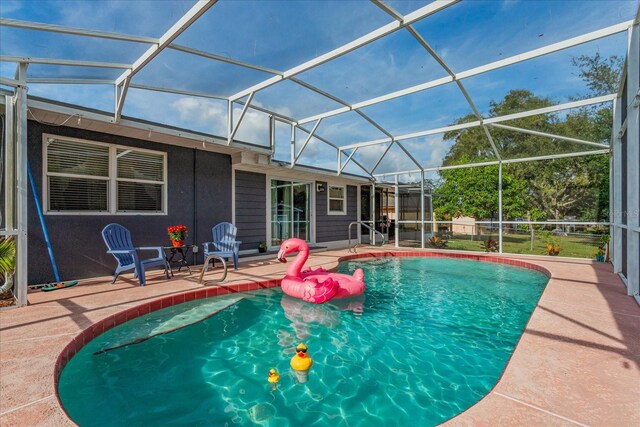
(500, 218)
(52, 28)
(9, 168)
(234, 129)
(122, 82)
(374, 35)
(21, 276)
(491, 120)
(549, 135)
(295, 157)
(633, 153)
(68, 81)
(575, 41)
(495, 162)
(9, 82)
(67, 62)
(399, 23)
(615, 210)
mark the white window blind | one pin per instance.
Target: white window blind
(140, 181)
(78, 176)
(90, 177)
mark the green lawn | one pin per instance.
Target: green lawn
(570, 246)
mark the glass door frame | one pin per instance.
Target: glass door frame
(312, 207)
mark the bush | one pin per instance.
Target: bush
(602, 248)
(437, 242)
(490, 245)
(7, 257)
(552, 249)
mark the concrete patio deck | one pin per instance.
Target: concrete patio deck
(577, 363)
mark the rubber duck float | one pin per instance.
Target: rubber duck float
(273, 378)
(301, 363)
(316, 286)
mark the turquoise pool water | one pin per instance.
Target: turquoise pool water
(427, 340)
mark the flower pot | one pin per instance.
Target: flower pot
(177, 243)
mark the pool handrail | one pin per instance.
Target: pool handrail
(209, 257)
(352, 249)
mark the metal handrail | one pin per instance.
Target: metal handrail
(205, 267)
(353, 249)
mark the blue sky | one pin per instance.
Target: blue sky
(282, 34)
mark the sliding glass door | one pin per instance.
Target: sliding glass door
(290, 206)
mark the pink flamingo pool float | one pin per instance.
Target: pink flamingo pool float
(316, 286)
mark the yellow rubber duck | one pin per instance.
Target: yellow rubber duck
(273, 378)
(301, 363)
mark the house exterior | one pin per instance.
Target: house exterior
(92, 173)
(464, 225)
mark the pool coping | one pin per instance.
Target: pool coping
(111, 321)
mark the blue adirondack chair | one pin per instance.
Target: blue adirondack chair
(118, 240)
(224, 243)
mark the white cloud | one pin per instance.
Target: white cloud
(254, 127)
(428, 150)
(212, 116)
(348, 128)
(318, 154)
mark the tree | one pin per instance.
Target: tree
(536, 182)
(474, 192)
(471, 145)
(602, 75)
(467, 192)
(549, 189)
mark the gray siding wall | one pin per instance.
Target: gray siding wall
(335, 227)
(199, 196)
(251, 208)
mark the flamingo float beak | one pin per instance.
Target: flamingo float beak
(281, 256)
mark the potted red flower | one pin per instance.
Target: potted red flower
(177, 234)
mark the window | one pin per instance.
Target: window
(91, 177)
(337, 200)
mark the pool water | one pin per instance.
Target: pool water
(428, 339)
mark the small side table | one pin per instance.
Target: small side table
(177, 256)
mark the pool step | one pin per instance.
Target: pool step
(180, 320)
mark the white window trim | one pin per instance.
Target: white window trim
(344, 200)
(112, 200)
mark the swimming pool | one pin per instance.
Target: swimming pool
(428, 339)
